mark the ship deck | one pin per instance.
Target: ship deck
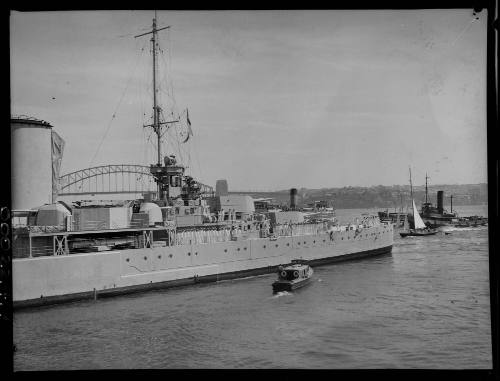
(87, 232)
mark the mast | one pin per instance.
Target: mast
(156, 115)
(156, 109)
(411, 186)
(411, 196)
(426, 177)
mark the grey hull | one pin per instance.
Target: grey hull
(89, 295)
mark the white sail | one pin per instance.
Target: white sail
(419, 223)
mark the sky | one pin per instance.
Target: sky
(276, 99)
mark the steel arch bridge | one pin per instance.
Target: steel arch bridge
(112, 179)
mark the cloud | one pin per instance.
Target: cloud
(278, 92)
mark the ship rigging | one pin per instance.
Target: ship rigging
(168, 174)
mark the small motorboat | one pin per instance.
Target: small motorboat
(292, 276)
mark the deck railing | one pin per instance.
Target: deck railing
(202, 236)
(189, 236)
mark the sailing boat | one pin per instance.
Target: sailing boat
(420, 229)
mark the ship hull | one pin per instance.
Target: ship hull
(58, 279)
(417, 233)
(280, 286)
(438, 221)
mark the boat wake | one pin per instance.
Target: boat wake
(458, 229)
(282, 293)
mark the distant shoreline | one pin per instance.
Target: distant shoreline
(392, 209)
(382, 196)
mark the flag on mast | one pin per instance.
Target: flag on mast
(190, 131)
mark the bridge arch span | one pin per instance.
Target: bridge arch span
(112, 179)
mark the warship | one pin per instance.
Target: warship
(185, 234)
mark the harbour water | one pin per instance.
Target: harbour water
(426, 305)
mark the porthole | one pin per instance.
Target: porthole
(304, 242)
(159, 256)
(244, 248)
(298, 243)
(264, 246)
(170, 255)
(195, 253)
(314, 241)
(189, 254)
(225, 250)
(288, 243)
(276, 245)
(238, 249)
(324, 240)
(128, 259)
(145, 258)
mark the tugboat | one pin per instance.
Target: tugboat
(293, 276)
(420, 229)
(437, 216)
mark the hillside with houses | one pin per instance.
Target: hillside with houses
(383, 196)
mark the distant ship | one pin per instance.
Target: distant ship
(396, 218)
(471, 221)
(183, 235)
(435, 217)
(319, 211)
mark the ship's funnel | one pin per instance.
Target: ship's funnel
(36, 154)
(221, 188)
(293, 198)
(440, 197)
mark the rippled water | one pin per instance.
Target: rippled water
(426, 305)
